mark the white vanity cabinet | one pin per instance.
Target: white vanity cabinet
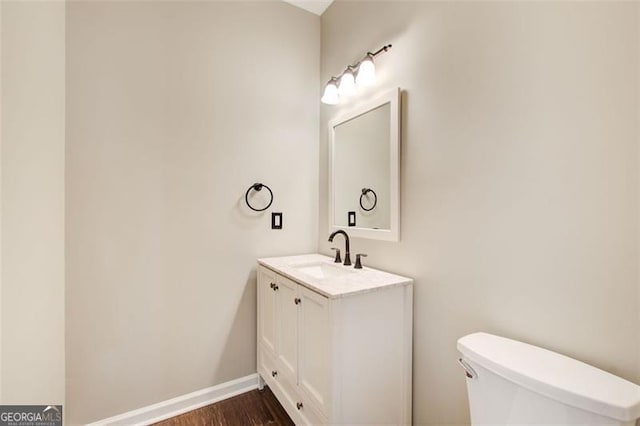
(335, 350)
(293, 352)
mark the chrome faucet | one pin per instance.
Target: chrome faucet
(347, 257)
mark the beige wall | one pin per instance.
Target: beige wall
(32, 213)
(519, 176)
(519, 185)
(173, 110)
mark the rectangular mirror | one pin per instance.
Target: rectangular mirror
(364, 169)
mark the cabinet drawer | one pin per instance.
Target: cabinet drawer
(307, 413)
(311, 415)
(284, 391)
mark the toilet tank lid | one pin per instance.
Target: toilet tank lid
(556, 376)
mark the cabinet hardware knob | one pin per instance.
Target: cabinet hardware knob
(275, 287)
(299, 405)
(297, 301)
(272, 285)
(274, 373)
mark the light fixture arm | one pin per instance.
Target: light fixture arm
(380, 51)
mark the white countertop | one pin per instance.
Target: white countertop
(354, 282)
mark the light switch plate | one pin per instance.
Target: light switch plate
(352, 219)
(276, 220)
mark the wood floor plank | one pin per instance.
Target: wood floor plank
(255, 408)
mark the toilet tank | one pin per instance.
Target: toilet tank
(516, 383)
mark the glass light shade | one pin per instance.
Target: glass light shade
(347, 84)
(330, 96)
(366, 72)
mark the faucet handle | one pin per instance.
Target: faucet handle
(358, 262)
(338, 259)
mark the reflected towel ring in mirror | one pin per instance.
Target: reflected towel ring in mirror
(258, 187)
(375, 199)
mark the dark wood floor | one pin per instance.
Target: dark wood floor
(253, 408)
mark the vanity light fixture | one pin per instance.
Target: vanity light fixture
(362, 73)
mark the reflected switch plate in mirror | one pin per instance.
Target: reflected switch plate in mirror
(352, 219)
(276, 220)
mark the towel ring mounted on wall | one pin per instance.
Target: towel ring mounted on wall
(258, 187)
(375, 199)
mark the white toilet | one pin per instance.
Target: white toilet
(513, 383)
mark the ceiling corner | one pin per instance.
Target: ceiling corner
(314, 6)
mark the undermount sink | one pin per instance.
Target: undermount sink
(322, 270)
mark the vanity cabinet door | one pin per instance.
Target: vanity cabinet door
(267, 314)
(315, 348)
(287, 327)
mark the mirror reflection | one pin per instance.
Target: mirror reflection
(364, 169)
(361, 170)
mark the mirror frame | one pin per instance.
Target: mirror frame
(392, 97)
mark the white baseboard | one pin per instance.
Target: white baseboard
(182, 404)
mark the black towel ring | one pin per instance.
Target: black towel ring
(258, 187)
(375, 199)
